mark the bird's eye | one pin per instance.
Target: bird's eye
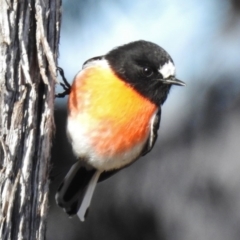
(147, 71)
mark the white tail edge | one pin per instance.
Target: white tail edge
(88, 196)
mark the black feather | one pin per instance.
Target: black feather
(72, 190)
(153, 133)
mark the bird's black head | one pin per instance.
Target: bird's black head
(147, 67)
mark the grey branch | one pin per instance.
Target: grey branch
(29, 37)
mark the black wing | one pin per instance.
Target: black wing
(153, 133)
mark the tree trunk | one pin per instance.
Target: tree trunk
(29, 36)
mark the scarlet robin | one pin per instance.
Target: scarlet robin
(114, 111)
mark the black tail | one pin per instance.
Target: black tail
(75, 193)
(73, 188)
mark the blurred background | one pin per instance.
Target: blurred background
(188, 187)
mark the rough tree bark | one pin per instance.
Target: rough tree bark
(29, 37)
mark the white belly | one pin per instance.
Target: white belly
(80, 138)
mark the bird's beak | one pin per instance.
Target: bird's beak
(173, 81)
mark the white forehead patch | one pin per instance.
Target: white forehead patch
(167, 70)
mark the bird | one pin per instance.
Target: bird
(114, 112)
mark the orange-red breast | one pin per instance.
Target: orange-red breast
(114, 110)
